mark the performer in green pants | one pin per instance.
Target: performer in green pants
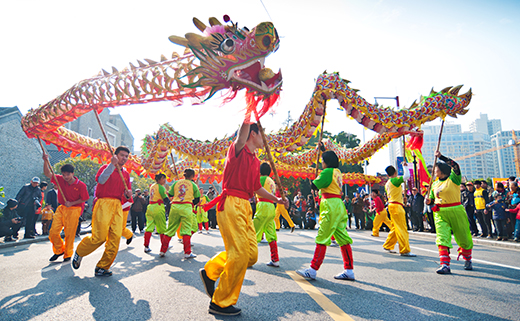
(264, 216)
(449, 215)
(333, 219)
(155, 217)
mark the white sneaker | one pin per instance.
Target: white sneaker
(147, 249)
(273, 264)
(180, 241)
(162, 254)
(308, 273)
(346, 275)
(207, 232)
(333, 243)
(190, 256)
(263, 241)
(200, 231)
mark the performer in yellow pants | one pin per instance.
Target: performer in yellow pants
(107, 216)
(67, 214)
(281, 210)
(381, 214)
(241, 180)
(65, 218)
(399, 230)
(126, 233)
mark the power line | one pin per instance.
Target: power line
(266, 10)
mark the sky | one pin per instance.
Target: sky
(385, 48)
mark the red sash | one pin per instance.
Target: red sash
(221, 199)
(328, 195)
(437, 207)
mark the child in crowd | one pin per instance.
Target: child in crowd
(499, 216)
(47, 214)
(516, 211)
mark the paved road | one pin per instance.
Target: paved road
(146, 287)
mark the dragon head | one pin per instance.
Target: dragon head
(233, 58)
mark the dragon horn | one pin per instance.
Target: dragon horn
(445, 90)
(105, 73)
(114, 70)
(163, 58)
(178, 40)
(141, 64)
(414, 104)
(132, 66)
(214, 22)
(150, 61)
(455, 90)
(432, 92)
(199, 24)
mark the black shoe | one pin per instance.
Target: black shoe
(230, 310)
(76, 261)
(8, 239)
(55, 257)
(209, 284)
(15, 237)
(102, 272)
(29, 237)
(129, 240)
(292, 229)
(66, 259)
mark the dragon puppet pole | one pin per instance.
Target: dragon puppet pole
(321, 137)
(435, 161)
(174, 167)
(52, 170)
(270, 158)
(198, 176)
(110, 148)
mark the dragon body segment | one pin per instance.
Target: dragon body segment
(226, 57)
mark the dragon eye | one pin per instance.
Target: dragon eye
(266, 41)
(227, 46)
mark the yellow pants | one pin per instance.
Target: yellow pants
(398, 231)
(379, 220)
(281, 210)
(127, 234)
(238, 234)
(107, 225)
(65, 218)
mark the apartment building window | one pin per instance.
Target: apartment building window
(112, 139)
(89, 132)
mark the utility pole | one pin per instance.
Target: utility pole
(516, 153)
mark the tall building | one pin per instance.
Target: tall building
(455, 144)
(504, 158)
(485, 126)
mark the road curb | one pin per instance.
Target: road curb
(37, 239)
(476, 240)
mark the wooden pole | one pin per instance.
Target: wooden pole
(52, 170)
(174, 167)
(110, 148)
(198, 176)
(435, 161)
(404, 160)
(321, 137)
(271, 161)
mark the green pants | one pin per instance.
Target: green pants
(180, 214)
(453, 219)
(264, 221)
(333, 221)
(155, 218)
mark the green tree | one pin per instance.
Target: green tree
(141, 182)
(84, 169)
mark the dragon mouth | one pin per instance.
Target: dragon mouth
(255, 76)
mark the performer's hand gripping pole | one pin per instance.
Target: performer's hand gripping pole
(52, 170)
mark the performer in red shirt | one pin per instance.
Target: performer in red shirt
(240, 183)
(381, 214)
(107, 216)
(68, 213)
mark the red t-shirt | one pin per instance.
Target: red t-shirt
(242, 172)
(73, 192)
(378, 203)
(113, 187)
